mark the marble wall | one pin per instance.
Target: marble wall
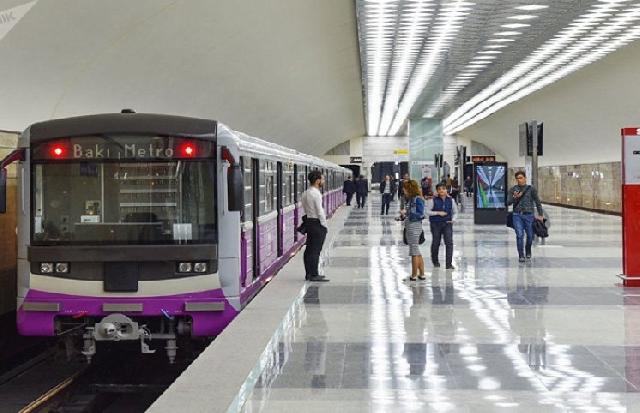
(592, 186)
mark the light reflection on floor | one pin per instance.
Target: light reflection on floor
(556, 334)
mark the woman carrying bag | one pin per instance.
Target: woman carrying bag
(413, 233)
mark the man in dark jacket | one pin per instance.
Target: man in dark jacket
(362, 190)
(387, 189)
(349, 188)
(442, 211)
(401, 198)
(526, 203)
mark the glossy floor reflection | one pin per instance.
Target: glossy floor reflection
(555, 334)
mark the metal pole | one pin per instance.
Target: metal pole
(534, 154)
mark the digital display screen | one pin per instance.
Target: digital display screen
(96, 148)
(491, 186)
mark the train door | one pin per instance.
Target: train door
(247, 217)
(279, 207)
(256, 211)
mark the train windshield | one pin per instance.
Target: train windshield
(85, 200)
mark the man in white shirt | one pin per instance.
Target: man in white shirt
(315, 223)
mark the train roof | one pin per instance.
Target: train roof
(115, 123)
(258, 146)
(160, 124)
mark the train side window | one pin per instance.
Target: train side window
(267, 187)
(287, 184)
(300, 181)
(247, 171)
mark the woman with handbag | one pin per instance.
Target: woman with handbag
(413, 233)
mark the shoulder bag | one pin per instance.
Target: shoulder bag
(515, 204)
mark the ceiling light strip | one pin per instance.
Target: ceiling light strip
(585, 60)
(410, 44)
(551, 47)
(447, 24)
(596, 38)
(378, 35)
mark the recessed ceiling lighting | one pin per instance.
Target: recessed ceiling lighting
(507, 33)
(515, 25)
(523, 17)
(490, 52)
(532, 7)
(502, 40)
(495, 46)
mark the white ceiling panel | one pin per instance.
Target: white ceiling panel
(286, 70)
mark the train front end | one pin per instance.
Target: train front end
(118, 231)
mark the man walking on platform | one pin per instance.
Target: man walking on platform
(315, 224)
(387, 189)
(362, 190)
(442, 212)
(401, 196)
(524, 199)
(349, 188)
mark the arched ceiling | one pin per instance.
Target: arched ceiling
(286, 70)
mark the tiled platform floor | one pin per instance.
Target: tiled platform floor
(555, 334)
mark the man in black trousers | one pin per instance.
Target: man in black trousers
(442, 211)
(387, 189)
(315, 224)
(349, 188)
(362, 190)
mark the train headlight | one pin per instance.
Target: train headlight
(62, 267)
(46, 267)
(200, 267)
(184, 267)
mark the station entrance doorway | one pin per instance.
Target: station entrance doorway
(355, 169)
(393, 169)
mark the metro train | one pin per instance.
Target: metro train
(148, 227)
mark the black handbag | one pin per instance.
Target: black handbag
(303, 227)
(510, 214)
(422, 239)
(540, 229)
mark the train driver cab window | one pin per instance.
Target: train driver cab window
(121, 198)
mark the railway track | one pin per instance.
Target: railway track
(116, 381)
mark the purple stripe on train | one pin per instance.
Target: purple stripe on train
(204, 323)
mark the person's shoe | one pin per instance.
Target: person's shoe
(318, 278)
(422, 277)
(436, 265)
(451, 267)
(521, 259)
(528, 257)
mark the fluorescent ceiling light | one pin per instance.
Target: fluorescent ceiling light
(515, 25)
(434, 52)
(573, 48)
(502, 40)
(409, 42)
(523, 17)
(507, 33)
(532, 7)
